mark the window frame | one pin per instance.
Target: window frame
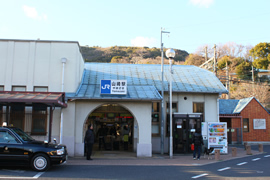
(14, 88)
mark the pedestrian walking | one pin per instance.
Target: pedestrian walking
(89, 141)
(197, 140)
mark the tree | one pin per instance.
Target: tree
(261, 55)
(244, 70)
(223, 62)
(194, 59)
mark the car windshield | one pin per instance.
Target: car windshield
(23, 135)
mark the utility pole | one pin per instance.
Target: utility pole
(206, 53)
(162, 94)
(227, 80)
(215, 60)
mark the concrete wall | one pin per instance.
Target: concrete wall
(76, 114)
(38, 63)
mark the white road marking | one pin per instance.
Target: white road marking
(201, 175)
(34, 177)
(267, 156)
(240, 164)
(38, 174)
(256, 159)
(16, 171)
(223, 169)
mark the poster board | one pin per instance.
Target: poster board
(217, 136)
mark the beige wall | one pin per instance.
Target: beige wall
(76, 114)
(38, 63)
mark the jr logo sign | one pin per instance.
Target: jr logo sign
(117, 87)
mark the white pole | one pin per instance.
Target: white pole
(64, 60)
(171, 139)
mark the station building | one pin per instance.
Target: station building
(48, 90)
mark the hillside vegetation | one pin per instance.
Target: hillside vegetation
(131, 55)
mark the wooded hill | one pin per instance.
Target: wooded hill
(132, 55)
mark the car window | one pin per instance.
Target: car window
(6, 137)
(23, 135)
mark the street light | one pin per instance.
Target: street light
(170, 53)
(162, 94)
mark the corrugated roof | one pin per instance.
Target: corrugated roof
(227, 106)
(234, 106)
(185, 78)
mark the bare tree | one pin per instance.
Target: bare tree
(259, 91)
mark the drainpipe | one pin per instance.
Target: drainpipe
(64, 60)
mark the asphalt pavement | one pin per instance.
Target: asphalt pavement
(129, 158)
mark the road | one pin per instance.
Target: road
(250, 167)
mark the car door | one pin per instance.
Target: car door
(11, 148)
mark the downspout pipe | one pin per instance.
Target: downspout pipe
(64, 60)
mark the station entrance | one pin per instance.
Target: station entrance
(113, 128)
(184, 126)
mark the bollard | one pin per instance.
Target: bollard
(217, 154)
(260, 148)
(248, 150)
(245, 145)
(234, 152)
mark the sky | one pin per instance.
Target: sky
(192, 23)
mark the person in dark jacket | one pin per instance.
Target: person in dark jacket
(197, 140)
(89, 141)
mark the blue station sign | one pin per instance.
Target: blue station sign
(117, 87)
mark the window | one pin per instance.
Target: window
(18, 88)
(155, 118)
(39, 120)
(40, 89)
(198, 107)
(174, 109)
(17, 115)
(1, 88)
(6, 137)
(245, 125)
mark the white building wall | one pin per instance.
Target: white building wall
(76, 114)
(38, 63)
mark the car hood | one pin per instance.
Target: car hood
(51, 145)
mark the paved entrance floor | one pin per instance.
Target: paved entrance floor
(129, 158)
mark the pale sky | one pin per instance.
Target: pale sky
(104, 23)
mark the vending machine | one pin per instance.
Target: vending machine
(215, 133)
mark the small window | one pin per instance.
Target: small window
(174, 109)
(198, 107)
(245, 125)
(17, 115)
(18, 88)
(1, 88)
(155, 118)
(40, 89)
(39, 120)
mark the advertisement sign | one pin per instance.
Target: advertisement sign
(115, 87)
(217, 136)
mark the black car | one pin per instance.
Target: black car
(18, 148)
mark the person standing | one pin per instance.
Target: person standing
(89, 141)
(197, 140)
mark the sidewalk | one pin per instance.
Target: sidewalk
(129, 158)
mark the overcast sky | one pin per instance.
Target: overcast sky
(191, 23)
